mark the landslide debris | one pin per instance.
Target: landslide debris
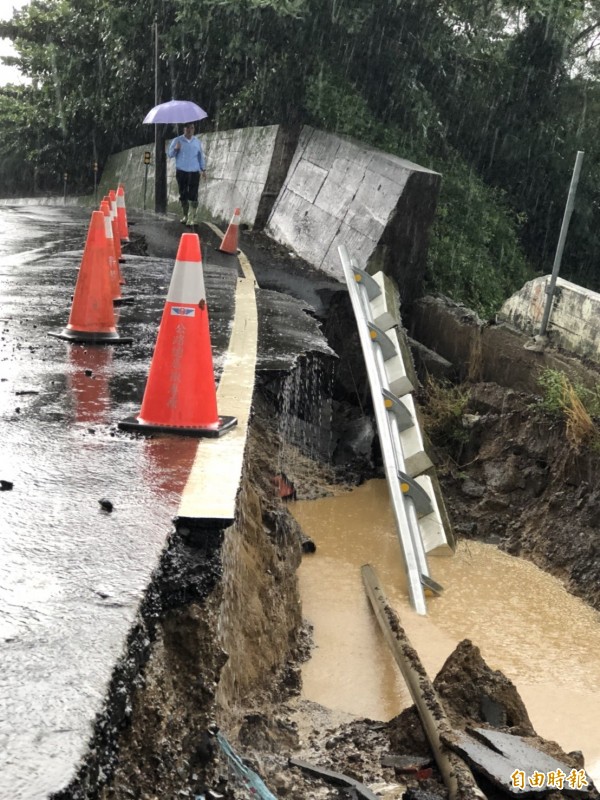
(394, 759)
(221, 639)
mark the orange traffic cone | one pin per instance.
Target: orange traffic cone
(92, 317)
(180, 395)
(230, 240)
(112, 204)
(114, 269)
(122, 214)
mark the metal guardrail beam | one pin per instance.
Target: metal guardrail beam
(391, 451)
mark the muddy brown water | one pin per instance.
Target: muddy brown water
(523, 620)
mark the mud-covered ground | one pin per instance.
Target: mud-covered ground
(500, 476)
(219, 646)
(221, 639)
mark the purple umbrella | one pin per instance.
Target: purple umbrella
(175, 111)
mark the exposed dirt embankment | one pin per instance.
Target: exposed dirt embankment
(518, 482)
(220, 636)
(260, 615)
(218, 642)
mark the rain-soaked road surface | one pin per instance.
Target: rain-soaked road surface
(71, 574)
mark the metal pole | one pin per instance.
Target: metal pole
(561, 242)
(155, 61)
(160, 159)
(156, 132)
(145, 183)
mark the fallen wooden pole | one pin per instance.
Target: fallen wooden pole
(456, 774)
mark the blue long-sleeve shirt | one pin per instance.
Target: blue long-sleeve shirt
(190, 156)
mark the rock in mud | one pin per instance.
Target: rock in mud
(468, 687)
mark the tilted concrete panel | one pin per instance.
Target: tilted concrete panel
(376, 204)
(307, 181)
(308, 230)
(316, 149)
(334, 196)
(574, 322)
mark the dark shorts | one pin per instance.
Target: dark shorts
(188, 185)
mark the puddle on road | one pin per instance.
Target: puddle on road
(524, 622)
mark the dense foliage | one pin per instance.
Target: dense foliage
(497, 95)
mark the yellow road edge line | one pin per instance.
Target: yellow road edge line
(214, 480)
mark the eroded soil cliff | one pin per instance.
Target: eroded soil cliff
(220, 636)
(515, 480)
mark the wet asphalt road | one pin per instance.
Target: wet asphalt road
(71, 574)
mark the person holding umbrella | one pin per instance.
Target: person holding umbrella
(189, 165)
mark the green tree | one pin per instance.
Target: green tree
(497, 95)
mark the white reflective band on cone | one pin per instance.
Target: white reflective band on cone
(187, 283)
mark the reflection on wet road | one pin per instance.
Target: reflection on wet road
(71, 574)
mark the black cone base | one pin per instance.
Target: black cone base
(134, 425)
(121, 301)
(90, 338)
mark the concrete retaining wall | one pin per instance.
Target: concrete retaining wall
(245, 168)
(339, 191)
(574, 322)
(316, 190)
(483, 352)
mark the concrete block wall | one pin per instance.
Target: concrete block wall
(316, 190)
(481, 352)
(339, 191)
(128, 168)
(239, 163)
(574, 322)
(244, 169)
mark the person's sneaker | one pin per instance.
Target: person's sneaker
(191, 218)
